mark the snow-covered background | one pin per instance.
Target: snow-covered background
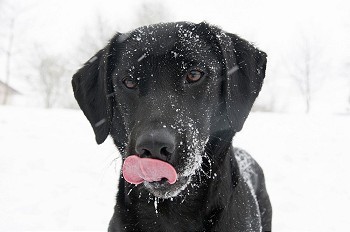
(53, 176)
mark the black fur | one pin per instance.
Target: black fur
(219, 188)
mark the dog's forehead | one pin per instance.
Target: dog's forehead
(160, 39)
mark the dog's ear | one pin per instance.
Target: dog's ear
(243, 72)
(91, 89)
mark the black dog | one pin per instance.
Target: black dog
(172, 96)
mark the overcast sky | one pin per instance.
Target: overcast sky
(58, 24)
(275, 26)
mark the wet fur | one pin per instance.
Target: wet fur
(221, 194)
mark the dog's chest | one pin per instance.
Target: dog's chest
(170, 215)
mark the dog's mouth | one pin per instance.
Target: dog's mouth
(158, 177)
(137, 170)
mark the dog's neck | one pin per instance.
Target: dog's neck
(219, 177)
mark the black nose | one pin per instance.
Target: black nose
(158, 144)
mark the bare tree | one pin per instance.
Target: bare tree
(151, 12)
(97, 35)
(8, 49)
(10, 13)
(94, 38)
(303, 78)
(306, 69)
(49, 79)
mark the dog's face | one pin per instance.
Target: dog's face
(161, 92)
(167, 84)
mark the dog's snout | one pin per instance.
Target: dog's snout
(158, 144)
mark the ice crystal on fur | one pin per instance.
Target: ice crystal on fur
(156, 201)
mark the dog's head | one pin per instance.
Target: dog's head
(162, 91)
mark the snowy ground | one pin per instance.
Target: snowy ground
(54, 177)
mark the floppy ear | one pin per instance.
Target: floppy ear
(91, 90)
(245, 71)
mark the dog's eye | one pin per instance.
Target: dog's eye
(194, 75)
(130, 82)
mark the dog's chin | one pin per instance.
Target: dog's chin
(162, 189)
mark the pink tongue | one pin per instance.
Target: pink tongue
(137, 170)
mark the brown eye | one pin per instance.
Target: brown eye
(130, 82)
(194, 75)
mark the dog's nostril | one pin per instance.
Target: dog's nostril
(145, 154)
(164, 151)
